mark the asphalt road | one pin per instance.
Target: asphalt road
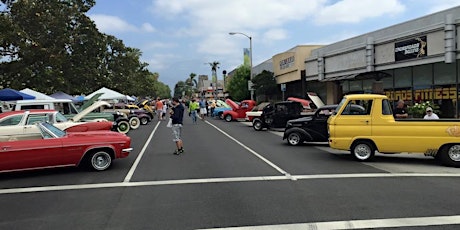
(231, 176)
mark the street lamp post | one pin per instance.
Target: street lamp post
(250, 59)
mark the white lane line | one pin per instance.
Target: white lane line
(360, 224)
(220, 180)
(140, 184)
(250, 150)
(138, 159)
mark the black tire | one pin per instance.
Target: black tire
(363, 150)
(99, 160)
(123, 126)
(257, 125)
(294, 139)
(134, 122)
(449, 155)
(144, 120)
(228, 118)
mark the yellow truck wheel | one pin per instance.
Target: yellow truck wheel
(363, 150)
(450, 155)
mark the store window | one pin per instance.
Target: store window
(423, 75)
(356, 86)
(403, 85)
(444, 74)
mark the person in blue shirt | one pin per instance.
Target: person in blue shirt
(177, 116)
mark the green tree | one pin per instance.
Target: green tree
(51, 45)
(265, 85)
(238, 83)
(180, 89)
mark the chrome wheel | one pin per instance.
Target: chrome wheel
(144, 121)
(100, 161)
(294, 139)
(363, 151)
(257, 125)
(228, 118)
(454, 153)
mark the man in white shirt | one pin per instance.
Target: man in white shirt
(430, 115)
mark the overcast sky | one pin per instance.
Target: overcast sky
(179, 37)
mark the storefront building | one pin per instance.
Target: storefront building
(289, 69)
(415, 61)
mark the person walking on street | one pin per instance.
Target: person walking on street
(177, 116)
(193, 107)
(203, 110)
(159, 108)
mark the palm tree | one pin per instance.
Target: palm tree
(192, 83)
(214, 66)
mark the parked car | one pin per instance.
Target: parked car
(17, 123)
(309, 128)
(136, 117)
(256, 111)
(238, 110)
(276, 115)
(69, 110)
(53, 147)
(221, 106)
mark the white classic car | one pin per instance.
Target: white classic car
(22, 123)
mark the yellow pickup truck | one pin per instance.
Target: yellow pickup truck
(364, 123)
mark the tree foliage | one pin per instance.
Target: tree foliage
(51, 45)
(265, 84)
(238, 83)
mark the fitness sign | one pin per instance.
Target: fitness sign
(413, 48)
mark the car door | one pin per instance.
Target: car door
(318, 124)
(30, 154)
(280, 116)
(355, 120)
(11, 125)
(31, 119)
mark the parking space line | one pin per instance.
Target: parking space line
(138, 159)
(219, 180)
(360, 224)
(250, 150)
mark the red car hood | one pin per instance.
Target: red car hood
(232, 104)
(94, 133)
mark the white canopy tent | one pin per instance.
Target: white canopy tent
(37, 95)
(107, 94)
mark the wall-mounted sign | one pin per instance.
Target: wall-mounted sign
(286, 63)
(283, 87)
(413, 48)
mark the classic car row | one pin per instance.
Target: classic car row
(362, 124)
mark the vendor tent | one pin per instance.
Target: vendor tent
(37, 95)
(107, 94)
(8, 94)
(62, 95)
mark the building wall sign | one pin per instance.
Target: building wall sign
(413, 48)
(286, 63)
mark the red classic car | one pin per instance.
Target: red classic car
(238, 110)
(53, 147)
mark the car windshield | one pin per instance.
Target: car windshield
(339, 106)
(60, 118)
(50, 131)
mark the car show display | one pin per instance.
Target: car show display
(53, 147)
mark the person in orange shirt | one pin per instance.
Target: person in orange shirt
(159, 109)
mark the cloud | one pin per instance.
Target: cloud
(275, 34)
(354, 11)
(113, 24)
